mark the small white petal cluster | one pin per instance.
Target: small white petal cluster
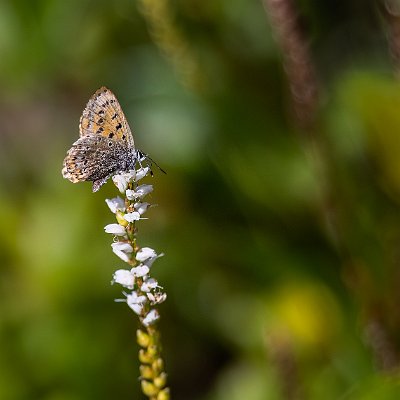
(123, 250)
(124, 277)
(144, 290)
(150, 292)
(122, 180)
(132, 216)
(151, 317)
(116, 204)
(115, 229)
(136, 302)
(141, 208)
(139, 192)
(141, 173)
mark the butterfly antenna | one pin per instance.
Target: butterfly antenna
(143, 157)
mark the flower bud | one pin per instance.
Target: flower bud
(144, 357)
(120, 218)
(158, 365)
(152, 351)
(161, 380)
(164, 394)
(148, 388)
(142, 338)
(146, 372)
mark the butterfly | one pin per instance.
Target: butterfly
(105, 146)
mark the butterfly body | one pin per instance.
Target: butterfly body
(105, 146)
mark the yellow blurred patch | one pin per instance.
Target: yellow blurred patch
(307, 313)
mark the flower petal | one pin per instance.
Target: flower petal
(120, 182)
(142, 190)
(141, 208)
(115, 229)
(116, 204)
(130, 194)
(149, 284)
(124, 277)
(141, 270)
(145, 253)
(123, 256)
(141, 173)
(122, 246)
(149, 262)
(132, 216)
(135, 302)
(151, 317)
(156, 298)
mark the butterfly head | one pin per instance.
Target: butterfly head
(144, 159)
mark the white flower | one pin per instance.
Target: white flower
(151, 317)
(124, 277)
(116, 204)
(141, 173)
(130, 194)
(123, 256)
(141, 270)
(141, 208)
(122, 250)
(145, 253)
(139, 193)
(149, 262)
(120, 182)
(135, 302)
(149, 284)
(156, 298)
(130, 175)
(115, 229)
(132, 216)
(122, 246)
(142, 190)
(147, 256)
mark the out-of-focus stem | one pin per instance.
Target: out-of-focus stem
(297, 60)
(304, 88)
(169, 38)
(284, 360)
(391, 12)
(381, 344)
(303, 83)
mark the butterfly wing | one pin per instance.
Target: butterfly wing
(105, 146)
(103, 116)
(95, 158)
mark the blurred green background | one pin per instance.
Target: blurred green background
(279, 215)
